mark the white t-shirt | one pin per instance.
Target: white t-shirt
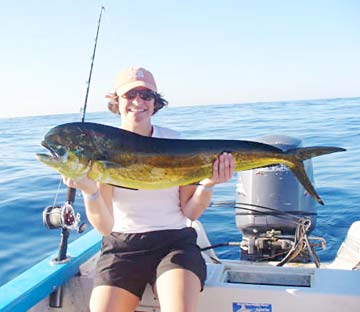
(138, 211)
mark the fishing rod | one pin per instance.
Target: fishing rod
(70, 197)
(64, 216)
(91, 67)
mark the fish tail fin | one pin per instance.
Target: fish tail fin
(304, 153)
(297, 165)
(297, 168)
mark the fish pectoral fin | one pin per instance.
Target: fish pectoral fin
(109, 164)
(123, 187)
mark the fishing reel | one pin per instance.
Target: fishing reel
(64, 217)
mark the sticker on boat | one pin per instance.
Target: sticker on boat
(251, 307)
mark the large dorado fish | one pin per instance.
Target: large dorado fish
(122, 158)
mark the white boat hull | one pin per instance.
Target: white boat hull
(236, 286)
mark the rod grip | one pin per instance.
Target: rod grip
(70, 197)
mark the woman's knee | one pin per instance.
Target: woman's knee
(178, 288)
(110, 298)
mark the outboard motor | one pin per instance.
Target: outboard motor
(273, 210)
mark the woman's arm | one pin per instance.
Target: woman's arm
(98, 203)
(195, 199)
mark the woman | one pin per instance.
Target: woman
(146, 239)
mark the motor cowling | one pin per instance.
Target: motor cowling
(270, 201)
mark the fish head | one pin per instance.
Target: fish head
(66, 146)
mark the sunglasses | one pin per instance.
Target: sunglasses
(145, 95)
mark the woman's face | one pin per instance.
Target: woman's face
(137, 105)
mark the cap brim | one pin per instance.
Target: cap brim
(131, 85)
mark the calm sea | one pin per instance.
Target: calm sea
(27, 186)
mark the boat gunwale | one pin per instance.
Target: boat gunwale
(33, 285)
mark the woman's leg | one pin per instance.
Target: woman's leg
(108, 298)
(178, 290)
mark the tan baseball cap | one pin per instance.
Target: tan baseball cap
(134, 77)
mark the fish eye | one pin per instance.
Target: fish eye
(60, 150)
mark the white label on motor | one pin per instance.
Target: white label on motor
(251, 307)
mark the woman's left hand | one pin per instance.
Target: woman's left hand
(223, 170)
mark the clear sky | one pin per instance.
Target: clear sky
(201, 52)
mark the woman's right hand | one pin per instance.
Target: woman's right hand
(84, 184)
(98, 208)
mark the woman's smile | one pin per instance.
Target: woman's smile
(136, 110)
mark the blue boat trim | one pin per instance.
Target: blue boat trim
(27, 289)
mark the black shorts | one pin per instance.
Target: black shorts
(130, 261)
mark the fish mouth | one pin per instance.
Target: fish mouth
(52, 151)
(57, 154)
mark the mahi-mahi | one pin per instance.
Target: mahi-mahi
(114, 156)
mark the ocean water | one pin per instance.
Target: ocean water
(27, 186)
